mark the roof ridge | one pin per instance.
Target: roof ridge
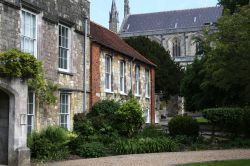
(170, 11)
(103, 27)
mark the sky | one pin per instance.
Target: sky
(99, 9)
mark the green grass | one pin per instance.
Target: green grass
(222, 163)
(201, 120)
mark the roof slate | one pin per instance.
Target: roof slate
(171, 19)
(111, 40)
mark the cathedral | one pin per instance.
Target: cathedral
(174, 30)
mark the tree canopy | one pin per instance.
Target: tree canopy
(222, 76)
(233, 5)
(168, 73)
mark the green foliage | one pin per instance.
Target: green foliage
(221, 77)
(247, 122)
(17, 64)
(49, 144)
(153, 131)
(102, 115)
(83, 125)
(227, 119)
(93, 149)
(233, 5)
(168, 74)
(144, 145)
(183, 125)
(129, 118)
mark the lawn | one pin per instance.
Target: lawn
(222, 163)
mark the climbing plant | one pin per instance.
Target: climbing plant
(17, 64)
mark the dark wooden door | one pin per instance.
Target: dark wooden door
(4, 127)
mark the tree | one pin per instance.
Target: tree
(233, 5)
(168, 73)
(222, 77)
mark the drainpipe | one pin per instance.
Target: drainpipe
(84, 63)
(131, 75)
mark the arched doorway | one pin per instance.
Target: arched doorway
(4, 127)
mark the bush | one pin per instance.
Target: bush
(93, 149)
(247, 122)
(17, 64)
(144, 145)
(152, 131)
(102, 115)
(82, 125)
(49, 144)
(183, 125)
(129, 118)
(227, 119)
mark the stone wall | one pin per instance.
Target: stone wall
(9, 27)
(49, 14)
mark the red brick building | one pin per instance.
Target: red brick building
(117, 69)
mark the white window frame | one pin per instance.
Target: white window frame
(147, 116)
(147, 83)
(108, 73)
(122, 77)
(137, 80)
(31, 113)
(23, 30)
(68, 49)
(67, 114)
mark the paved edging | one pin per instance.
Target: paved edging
(159, 159)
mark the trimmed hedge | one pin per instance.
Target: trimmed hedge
(145, 145)
(227, 119)
(183, 125)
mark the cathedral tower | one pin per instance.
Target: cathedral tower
(113, 18)
(126, 8)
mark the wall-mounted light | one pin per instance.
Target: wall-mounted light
(23, 119)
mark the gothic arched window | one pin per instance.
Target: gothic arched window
(176, 47)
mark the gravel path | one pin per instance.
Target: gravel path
(158, 159)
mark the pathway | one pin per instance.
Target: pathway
(158, 159)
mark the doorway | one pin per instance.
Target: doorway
(4, 127)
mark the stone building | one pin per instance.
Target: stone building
(53, 31)
(117, 70)
(174, 30)
(113, 18)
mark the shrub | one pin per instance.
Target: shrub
(144, 145)
(152, 131)
(247, 122)
(17, 64)
(93, 149)
(129, 118)
(49, 144)
(227, 119)
(102, 115)
(82, 125)
(183, 125)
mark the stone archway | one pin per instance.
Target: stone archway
(4, 127)
(13, 123)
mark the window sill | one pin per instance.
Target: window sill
(65, 72)
(136, 95)
(147, 97)
(109, 92)
(123, 94)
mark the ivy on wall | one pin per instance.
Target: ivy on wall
(17, 64)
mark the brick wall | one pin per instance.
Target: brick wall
(95, 74)
(152, 81)
(98, 92)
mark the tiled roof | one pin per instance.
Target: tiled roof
(171, 19)
(111, 40)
